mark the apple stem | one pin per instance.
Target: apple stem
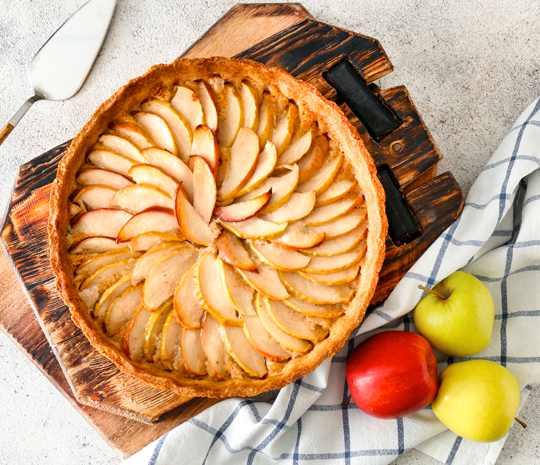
(521, 422)
(431, 291)
(346, 402)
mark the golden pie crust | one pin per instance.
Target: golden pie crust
(311, 104)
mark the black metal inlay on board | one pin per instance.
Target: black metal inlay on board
(378, 119)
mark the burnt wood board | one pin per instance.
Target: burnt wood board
(127, 413)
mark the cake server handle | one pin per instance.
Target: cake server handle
(6, 130)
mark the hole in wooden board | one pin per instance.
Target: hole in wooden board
(378, 119)
(402, 225)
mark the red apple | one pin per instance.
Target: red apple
(393, 374)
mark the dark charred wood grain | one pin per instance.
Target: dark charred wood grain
(436, 204)
(409, 151)
(119, 407)
(309, 48)
(39, 172)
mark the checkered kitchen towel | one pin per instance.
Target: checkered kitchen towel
(497, 238)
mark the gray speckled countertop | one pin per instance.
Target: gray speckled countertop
(470, 67)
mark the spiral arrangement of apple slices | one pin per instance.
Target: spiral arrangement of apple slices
(216, 231)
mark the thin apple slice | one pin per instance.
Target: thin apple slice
(187, 103)
(321, 311)
(95, 244)
(93, 176)
(250, 102)
(147, 261)
(170, 345)
(239, 293)
(158, 129)
(297, 149)
(284, 129)
(94, 197)
(111, 161)
(153, 329)
(145, 241)
(149, 174)
(156, 219)
(240, 349)
(102, 222)
(191, 223)
(122, 309)
(255, 228)
(265, 166)
(324, 177)
(312, 161)
(205, 145)
(296, 236)
(108, 274)
(295, 323)
(214, 347)
(209, 106)
(242, 211)
(186, 305)
(139, 197)
(297, 207)
(307, 290)
(232, 251)
(282, 189)
(343, 225)
(176, 122)
(286, 340)
(241, 164)
(165, 275)
(336, 191)
(266, 120)
(263, 341)
(122, 147)
(210, 290)
(345, 276)
(331, 212)
(204, 188)
(335, 263)
(134, 335)
(171, 165)
(116, 290)
(90, 266)
(341, 244)
(134, 133)
(192, 352)
(266, 281)
(278, 257)
(233, 118)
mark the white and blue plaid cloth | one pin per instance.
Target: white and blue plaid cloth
(496, 238)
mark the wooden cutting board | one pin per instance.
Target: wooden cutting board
(127, 413)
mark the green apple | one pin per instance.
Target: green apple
(477, 400)
(457, 315)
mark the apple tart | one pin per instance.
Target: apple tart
(217, 228)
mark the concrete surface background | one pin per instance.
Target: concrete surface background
(471, 68)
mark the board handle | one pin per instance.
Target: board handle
(378, 119)
(6, 130)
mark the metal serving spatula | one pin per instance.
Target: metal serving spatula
(61, 66)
